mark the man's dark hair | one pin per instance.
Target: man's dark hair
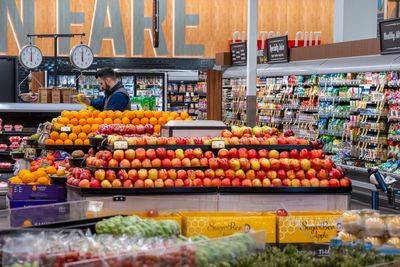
(105, 73)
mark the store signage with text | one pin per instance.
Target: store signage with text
(239, 54)
(278, 50)
(390, 36)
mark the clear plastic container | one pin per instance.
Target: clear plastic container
(8, 127)
(352, 222)
(393, 241)
(18, 128)
(374, 226)
(393, 225)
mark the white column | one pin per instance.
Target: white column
(252, 27)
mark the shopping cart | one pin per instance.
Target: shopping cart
(385, 185)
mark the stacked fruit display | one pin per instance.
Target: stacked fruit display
(40, 176)
(83, 124)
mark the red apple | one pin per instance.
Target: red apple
(236, 182)
(316, 164)
(305, 183)
(186, 162)
(197, 182)
(198, 153)
(140, 154)
(179, 154)
(125, 163)
(101, 163)
(234, 164)
(213, 163)
(220, 173)
(324, 183)
(122, 175)
(156, 163)
(226, 182)
(291, 174)
(230, 174)
(148, 183)
(94, 183)
(262, 153)
(266, 182)
(130, 154)
(116, 183)
(133, 174)
(195, 162)
(100, 175)
(111, 175)
(247, 182)
(153, 174)
(256, 183)
(311, 173)
(146, 163)
(240, 174)
(170, 154)
(334, 174)
(181, 174)
(281, 174)
(242, 152)
(209, 154)
(138, 184)
(285, 164)
(169, 183)
(250, 174)
(314, 182)
(216, 182)
(273, 154)
(322, 174)
(301, 175)
(223, 153)
(159, 183)
(162, 174)
(326, 164)
(296, 183)
(272, 175)
(233, 153)
(276, 182)
(151, 154)
(284, 155)
(113, 163)
(207, 182)
(84, 183)
(142, 174)
(119, 155)
(287, 182)
(127, 184)
(223, 163)
(305, 164)
(294, 154)
(161, 153)
(204, 162)
(136, 164)
(252, 154)
(265, 164)
(199, 174)
(166, 163)
(345, 182)
(209, 173)
(334, 183)
(275, 164)
(261, 175)
(304, 154)
(176, 163)
(244, 164)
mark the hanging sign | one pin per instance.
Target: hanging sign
(390, 36)
(238, 54)
(278, 50)
(156, 23)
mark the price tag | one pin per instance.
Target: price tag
(218, 144)
(65, 129)
(30, 153)
(120, 145)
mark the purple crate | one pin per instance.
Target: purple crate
(37, 192)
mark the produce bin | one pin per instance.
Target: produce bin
(193, 128)
(29, 192)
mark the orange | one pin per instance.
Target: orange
(49, 142)
(82, 122)
(102, 115)
(98, 121)
(75, 114)
(84, 114)
(153, 121)
(95, 113)
(38, 174)
(22, 172)
(136, 121)
(95, 127)
(86, 142)
(139, 114)
(28, 178)
(144, 121)
(174, 114)
(184, 115)
(90, 135)
(157, 114)
(74, 121)
(57, 126)
(50, 170)
(131, 114)
(65, 113)
(70, 125)
(54, 135)
(157, 128)
(86, 128)
(43, 180)
(165, 114)
(90, 121)
(148, 114)
(125, 121)
(118, 114)
(178, 118)
(82, 136)
(108, 121)
(78, 142)
(111, 114)
(63, 136)
(63, 121)
(170, 118)
(68, 142)
(117, 121)
(59, 142)
(76, 129)
(72, 137)
(162, 120)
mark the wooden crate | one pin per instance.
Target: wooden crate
(45, 95)
(56, 95)
(67, 95)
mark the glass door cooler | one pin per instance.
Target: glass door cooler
(149, 84)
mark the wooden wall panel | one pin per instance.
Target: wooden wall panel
(218, 20)
(214, 95)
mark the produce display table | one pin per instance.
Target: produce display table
(223, 198)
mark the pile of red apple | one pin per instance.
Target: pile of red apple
(129, 129)
(240, 132)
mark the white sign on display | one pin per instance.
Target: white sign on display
(120, 145)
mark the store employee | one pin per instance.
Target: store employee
(116, 96)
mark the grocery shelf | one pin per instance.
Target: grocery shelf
(17, 132)
(29, 107)
(66, 148)
(142, 191)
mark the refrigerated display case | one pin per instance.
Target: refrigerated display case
(151, 84)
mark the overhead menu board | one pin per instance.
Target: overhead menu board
(390, 36)
(277, 49)
(239, 54)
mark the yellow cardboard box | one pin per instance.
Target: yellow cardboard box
(161, 215)
(308, 227)
(218, 224)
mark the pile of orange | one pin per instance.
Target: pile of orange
(85, 123)
(33, 178)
